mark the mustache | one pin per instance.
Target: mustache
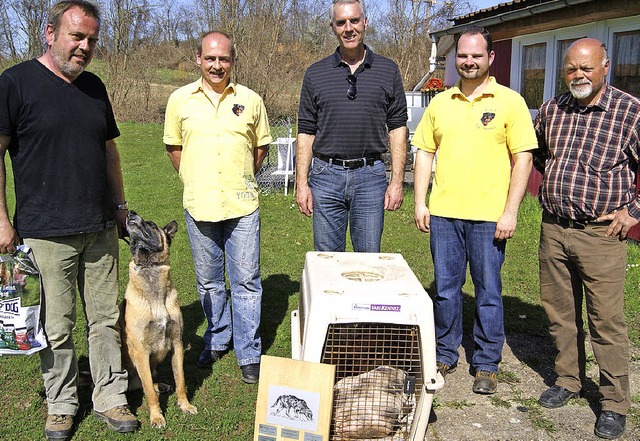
(580, 82)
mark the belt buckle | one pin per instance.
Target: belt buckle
(350, 164)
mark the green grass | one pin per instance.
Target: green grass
(225, 404)
(499, 402)
(176, 77)
(458, 404)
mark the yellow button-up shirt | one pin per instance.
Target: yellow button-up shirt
(218, 142)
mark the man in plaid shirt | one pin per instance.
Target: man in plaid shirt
(588, 153)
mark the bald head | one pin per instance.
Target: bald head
(216, 56)
(589, 46)
(586, 65)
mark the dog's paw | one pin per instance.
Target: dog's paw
(158, 422)
(187, 407)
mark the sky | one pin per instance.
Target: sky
(481, 4)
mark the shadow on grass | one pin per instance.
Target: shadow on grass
(527, 336)
(277, 288)
(276, 291)
(194, 376)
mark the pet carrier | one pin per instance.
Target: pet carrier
(367, 314)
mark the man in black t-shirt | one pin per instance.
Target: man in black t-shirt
(58, 126)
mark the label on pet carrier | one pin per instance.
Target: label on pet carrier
(375, 307)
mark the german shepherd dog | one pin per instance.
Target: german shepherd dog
(152, 319)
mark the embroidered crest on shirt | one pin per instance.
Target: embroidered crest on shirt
(486, 118)
(237, 109)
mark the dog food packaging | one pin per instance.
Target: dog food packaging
(20, 292)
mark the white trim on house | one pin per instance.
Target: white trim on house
(603, 30)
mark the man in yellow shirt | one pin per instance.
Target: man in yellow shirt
(477, 128)
(217, 134)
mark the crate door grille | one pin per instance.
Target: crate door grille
(378, 379)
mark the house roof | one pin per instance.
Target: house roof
(500, 8)
(507, 12)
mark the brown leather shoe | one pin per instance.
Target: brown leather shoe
(445, 369)
(58, 427)
(119, 419)
(485, 383)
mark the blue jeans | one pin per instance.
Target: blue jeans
(236, 241)
(90, 262)
(342, 196)
(455, 242)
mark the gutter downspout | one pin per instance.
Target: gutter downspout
(432, 64)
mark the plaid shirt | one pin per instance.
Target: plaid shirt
(589, 154)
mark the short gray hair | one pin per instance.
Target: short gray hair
(340, 2)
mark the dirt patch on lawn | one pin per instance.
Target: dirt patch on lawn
(513, 413)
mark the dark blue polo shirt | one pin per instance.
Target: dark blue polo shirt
(345, 128)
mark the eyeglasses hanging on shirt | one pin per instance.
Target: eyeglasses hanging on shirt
(352, 91)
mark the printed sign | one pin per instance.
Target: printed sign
(20, 330)
(295, 399)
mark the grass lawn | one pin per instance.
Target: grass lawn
(225, 404)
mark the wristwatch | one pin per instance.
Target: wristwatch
(123, 206)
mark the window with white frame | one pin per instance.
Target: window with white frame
(533, 74)
(536, 70)
(561, 48)
(625, 61)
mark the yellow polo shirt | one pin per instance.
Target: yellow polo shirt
(217, 142)
(474, 141)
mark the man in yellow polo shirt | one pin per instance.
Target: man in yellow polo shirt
(477, 128)
(217, 134)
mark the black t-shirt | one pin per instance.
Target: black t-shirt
(58, 135)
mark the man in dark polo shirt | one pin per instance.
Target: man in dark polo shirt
(352, 109)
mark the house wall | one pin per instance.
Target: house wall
(501, 67)
(604, 30)
(585, 13)
(597, 19)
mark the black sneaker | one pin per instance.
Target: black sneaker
(119, 419)
(250, 373)
(610, 425)
(58, 427)
(207, 358)
(556, 396)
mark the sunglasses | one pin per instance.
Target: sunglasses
(352, 91)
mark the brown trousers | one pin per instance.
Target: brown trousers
(584, 263)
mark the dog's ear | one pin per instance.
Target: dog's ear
(170, 229)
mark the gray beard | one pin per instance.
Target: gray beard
(581, 92)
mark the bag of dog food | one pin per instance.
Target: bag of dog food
(21, 332)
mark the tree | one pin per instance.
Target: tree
(403, 33)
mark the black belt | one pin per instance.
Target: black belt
(349, 163)
(571, 223)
